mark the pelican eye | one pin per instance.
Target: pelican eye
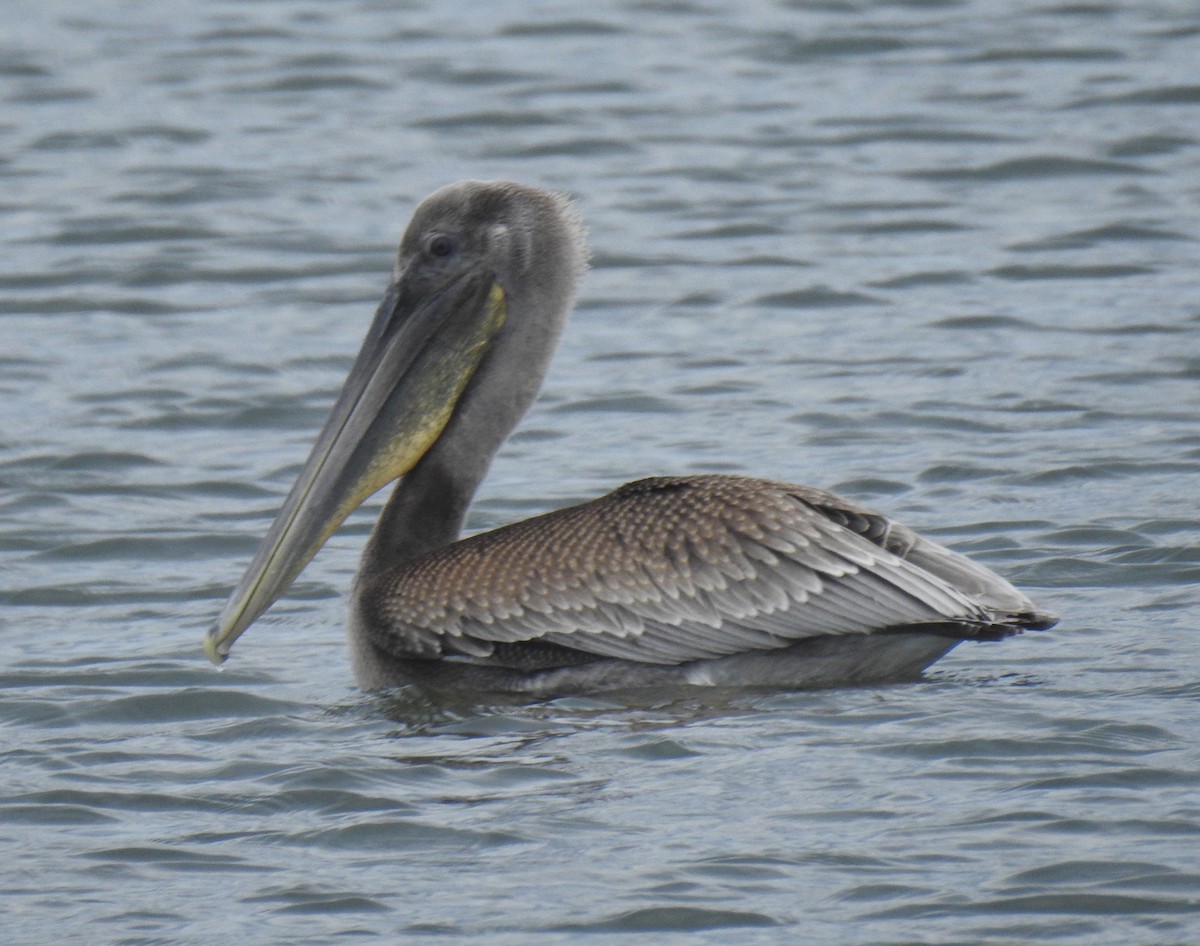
(442, 246)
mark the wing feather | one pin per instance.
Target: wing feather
(676, 569)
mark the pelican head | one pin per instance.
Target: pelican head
(484, 280)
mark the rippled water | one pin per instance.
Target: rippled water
(940, 256)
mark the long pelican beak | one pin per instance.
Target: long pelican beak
(417, 359)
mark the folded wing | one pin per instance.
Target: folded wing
(669, 570)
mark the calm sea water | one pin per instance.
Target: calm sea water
(940, 256)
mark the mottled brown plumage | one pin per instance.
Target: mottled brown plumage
(671, 570)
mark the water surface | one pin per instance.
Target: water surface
(940, 257)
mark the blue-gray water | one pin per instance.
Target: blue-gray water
(940, 256)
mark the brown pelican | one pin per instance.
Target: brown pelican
(717, 580)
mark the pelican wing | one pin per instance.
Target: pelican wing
(669, 570)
